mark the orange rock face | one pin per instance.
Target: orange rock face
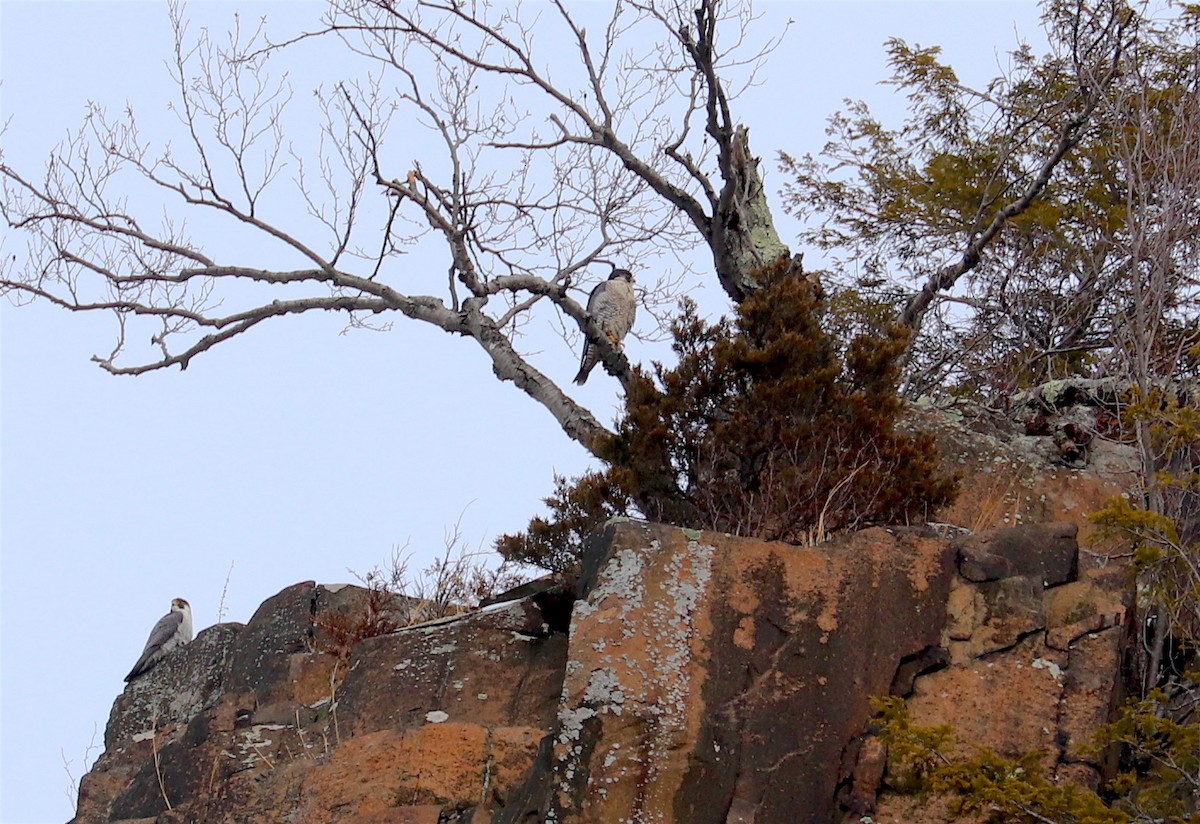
(710, 673)
(439, 765)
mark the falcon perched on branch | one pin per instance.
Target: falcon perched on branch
(612, 306)
(172, 630)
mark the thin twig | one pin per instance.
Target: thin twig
(162, 786)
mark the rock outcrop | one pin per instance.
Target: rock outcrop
(1030, 660)
(688, 677)
(684, 677)
(264, 723)
(718, 679)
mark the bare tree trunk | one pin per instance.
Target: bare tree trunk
(743, 238)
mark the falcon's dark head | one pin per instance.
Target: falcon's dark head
(621, 274)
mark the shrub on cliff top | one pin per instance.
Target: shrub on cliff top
(765, 428)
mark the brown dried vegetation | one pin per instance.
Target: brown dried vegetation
(337, 631)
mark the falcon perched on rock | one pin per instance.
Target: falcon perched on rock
(172, 630)
(612, 306)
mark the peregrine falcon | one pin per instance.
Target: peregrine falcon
(172, 630)
(612, 306)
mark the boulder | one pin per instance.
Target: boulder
(717, 679)
(171, 694)
(1045, 552)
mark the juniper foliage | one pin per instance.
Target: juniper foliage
(768, 426)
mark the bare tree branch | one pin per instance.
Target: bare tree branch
(450, 136)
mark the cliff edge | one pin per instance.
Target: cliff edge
(685, 677)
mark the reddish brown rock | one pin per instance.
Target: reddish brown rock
(1051, 691)
(1083, 775)
(704, 679)
(910, 809)
(423, 814)
(868, 762)
(261, 724)
(1000, 614)
(691, 648)
(1099, 602)
(423, 771)
(1006, 702)
(1047, 553)
(1091, 694)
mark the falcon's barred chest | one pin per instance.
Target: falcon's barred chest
(613, 307)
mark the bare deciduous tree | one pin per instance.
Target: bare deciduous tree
(558, 148)
(1159, 159)
(1156, 337)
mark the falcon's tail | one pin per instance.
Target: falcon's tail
(143, 664)
(586, 365)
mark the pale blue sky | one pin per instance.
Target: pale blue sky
(296, 452)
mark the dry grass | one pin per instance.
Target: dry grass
(162, 785)
(994, 502)
(457, 580)
(224, 592)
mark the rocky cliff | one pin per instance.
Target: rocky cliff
(685, 677)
